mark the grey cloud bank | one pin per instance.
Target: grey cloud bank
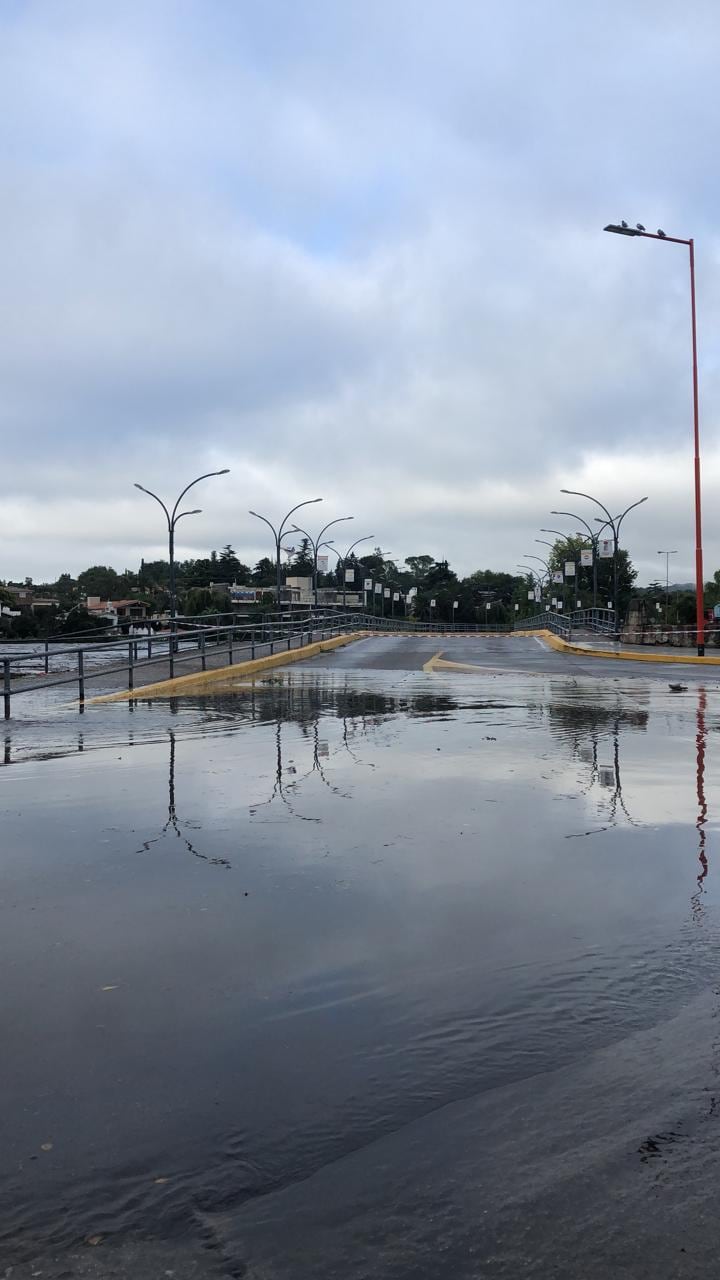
(356, 251)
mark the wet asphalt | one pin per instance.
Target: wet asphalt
(360, 970)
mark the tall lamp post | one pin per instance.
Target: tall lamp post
(278, 535)
(594, 535)
(316, 544)
(622, 229)
(566, 539)
(172, 518)
(667, 555)
(615, 526)
(343, 559)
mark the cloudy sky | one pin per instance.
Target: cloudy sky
(353, 250)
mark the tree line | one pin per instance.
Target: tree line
(484, 596)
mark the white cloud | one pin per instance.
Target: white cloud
(358, 254)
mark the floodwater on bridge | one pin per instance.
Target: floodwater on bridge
(363, 973)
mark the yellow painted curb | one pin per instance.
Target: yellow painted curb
(626, 655)
(199, 680)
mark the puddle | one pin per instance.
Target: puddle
(249, 934)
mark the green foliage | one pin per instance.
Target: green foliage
(263, 575)
(101, 581)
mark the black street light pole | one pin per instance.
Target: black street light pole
(316, 543)
(667, 555)
(278, 535)
(343, 559)
(172, 518)
(594, 536)
(615, 526)
(566, 538)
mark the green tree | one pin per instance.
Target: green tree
(99, 580)
(263, 575)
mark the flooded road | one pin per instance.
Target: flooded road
(363, 972)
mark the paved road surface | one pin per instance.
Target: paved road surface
(505, 653)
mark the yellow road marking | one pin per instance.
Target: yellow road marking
(431, 663)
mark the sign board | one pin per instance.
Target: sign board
(378, 588)
(349, 575)
(559, 604)
(396, 595)
(605, 548)
(367, 586)
(547, 608)
(586, 559)
(531, 594)
(433, 603)
(557, 576)
(487, 607)
(610, 604)
(569, 568)
(455, 604)
(244, 595)
(538, 595)
(658, 606)
(578, 604)
(322, 564)
(386, 593)
(517, 606)
(716, 611)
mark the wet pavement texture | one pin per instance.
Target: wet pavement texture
(364, 971)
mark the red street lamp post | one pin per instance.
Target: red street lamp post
(638, 230)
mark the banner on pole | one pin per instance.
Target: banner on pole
(433, 603)
(455, 604)
(569, 568)
(586, 559)
(557, 576)
(605, 548)
(378, 588)
(349, 575)
(386, 593)
(538, 595)
(531, 594)
(396, 595)
(322, 564)
(368, 584)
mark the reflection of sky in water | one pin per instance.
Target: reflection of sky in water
(324, 906)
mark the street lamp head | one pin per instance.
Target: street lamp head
(622, 229)
(225, 472)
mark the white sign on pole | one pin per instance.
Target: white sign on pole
(569, 568)
(349, 575)
(579, 604)
(605, 548)
(554, 602)
(487, 607)
(322, 564)
(455, 604)
(368, 584)
(586, 559)
(432, 604)
(396, 595)
(378, 588)
(386, 593)
(610, 604)
(531, 594)
(559, 604)
(547, 608)
(557, 576)
(538, 595)
(658, 606)
(517, 606)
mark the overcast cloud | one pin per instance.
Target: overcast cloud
(353, 250)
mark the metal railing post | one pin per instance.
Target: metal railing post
(6, 687)
(252, 643)
(47, 664)
(131, 666)
(230, 647)
(81, 675)
(203, 659)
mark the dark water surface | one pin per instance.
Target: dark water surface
(364, 974)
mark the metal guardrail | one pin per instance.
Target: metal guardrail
(174, 648)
